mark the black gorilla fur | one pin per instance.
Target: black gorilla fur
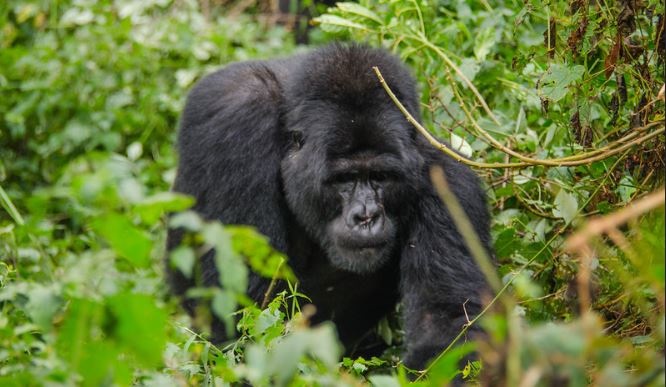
(312, 152)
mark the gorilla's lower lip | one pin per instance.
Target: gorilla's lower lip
(362, 245)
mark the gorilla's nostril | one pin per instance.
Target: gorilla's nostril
(363, 219)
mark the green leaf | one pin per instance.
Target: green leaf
(505, 243)
(81, 316)
(469, 67)
(555, 82)
(134, 151)
(224, 305)
(267, 319)
(43, 303)
(333, 23)
(140, 326)
(183, 258)
(458, 143)
(151, 208)
(359, 10)
(74, 16)
(188, 220)
(9, 207)
(262, 257)
(484, 42)
(626, 188)
(126, 240)
(232, 270)
(566, 206)
(104, 362)
(446, 367)
(286, 355)
(256, 359)
(384, 381)
(323, 345)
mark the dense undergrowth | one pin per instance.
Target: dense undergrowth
(560, 102)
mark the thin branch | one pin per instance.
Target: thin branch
(464, 226)
(459, 72)
(578, 159)
(579, 243)
(432, 139)
(517, 272)
(269, 291)
(526, 161)
(602, 225)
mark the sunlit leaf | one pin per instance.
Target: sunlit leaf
(140, 326)
(188, 220)
(126, 239)
(232, 270)
(151, 208)
(555, 83)
(484, 42)
(333, 23)
(42, 305)
(384, 381)
(566, 206)
(357, 9)
(183, 258)
(224, 305)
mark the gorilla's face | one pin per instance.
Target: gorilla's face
(362, 231)
(348, 185)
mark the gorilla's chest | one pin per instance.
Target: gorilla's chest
(341, 295)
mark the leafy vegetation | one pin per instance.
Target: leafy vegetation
(560, 102)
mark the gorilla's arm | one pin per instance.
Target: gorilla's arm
(438, 274)
(230, 147)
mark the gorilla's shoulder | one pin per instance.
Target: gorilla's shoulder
(233, 87)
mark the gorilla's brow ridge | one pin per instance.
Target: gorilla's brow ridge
(383, 163)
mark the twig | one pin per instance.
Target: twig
(517, 272)
(578, 159)
(579, 243)
(476, 249)
(432, 139)
(419, 15)
(526, 161)
(269, 291)
(465, 227)
(459, 72)
(203, 339)
(601, 225)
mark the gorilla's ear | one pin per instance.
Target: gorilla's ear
(231, 148)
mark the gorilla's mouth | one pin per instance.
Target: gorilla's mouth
(360, 256)
(363, 248)
(356, 242)
(375, 234)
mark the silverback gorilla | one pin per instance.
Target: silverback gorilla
(312, 152)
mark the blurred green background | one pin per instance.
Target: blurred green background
(90, 95)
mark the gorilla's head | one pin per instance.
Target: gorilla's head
(352, 161)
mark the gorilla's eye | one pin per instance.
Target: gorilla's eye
(380, 176)
(345, 177)
(297, 139)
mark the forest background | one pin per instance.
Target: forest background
(560, 104)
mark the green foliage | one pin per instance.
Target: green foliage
(552, 82)
(91, 92)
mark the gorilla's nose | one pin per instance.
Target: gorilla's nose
(363, 215)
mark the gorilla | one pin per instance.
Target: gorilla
(311, 151)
